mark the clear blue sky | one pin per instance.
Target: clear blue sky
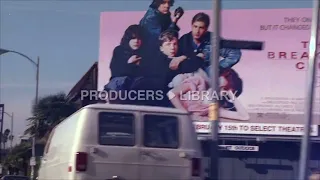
(65, 35)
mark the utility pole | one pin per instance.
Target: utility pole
(313, 47)
(1, 129)
(33, 161)
(218, 43)
(214, 106)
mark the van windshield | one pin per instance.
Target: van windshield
(116, 129)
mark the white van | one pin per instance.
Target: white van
(107, 141)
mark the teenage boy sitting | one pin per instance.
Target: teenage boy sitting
(166, 64)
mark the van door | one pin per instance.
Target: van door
(118, 153)
(160, 148)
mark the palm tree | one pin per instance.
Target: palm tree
(49, 112)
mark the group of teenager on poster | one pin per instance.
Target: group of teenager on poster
(151, 56)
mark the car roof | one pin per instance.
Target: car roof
(136, 108)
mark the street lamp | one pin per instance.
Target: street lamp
(11, 133)
(4, 51)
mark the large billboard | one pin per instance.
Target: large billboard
(262, 92)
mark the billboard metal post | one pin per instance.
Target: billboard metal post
(218, 43)
(214, 107)
(305, 147)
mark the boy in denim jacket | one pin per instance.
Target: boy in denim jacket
(198, 43)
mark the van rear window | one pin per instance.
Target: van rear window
(161, 131)
(116, 129)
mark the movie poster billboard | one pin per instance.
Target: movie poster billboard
(262, 92)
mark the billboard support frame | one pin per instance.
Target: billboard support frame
(218, 43)
(313, 44)
(214, 106)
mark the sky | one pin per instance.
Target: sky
(64, 34)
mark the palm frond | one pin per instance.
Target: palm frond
(49, 112)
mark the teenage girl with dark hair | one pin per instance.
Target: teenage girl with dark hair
(126, 59)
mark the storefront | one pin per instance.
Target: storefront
(257, 155)
(268, 160)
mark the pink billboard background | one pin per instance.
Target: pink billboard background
(273, 77)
